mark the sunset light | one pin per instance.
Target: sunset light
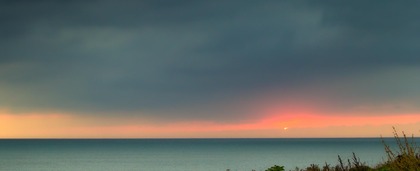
(205, 85)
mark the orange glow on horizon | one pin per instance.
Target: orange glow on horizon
(35, 125)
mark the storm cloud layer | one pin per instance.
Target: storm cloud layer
(192, 59)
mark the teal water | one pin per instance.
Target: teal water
(181, 154)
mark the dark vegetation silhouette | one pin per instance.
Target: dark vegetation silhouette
(405, 158)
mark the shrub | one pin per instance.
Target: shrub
(313, 167)
(407, 155)
(405, 158)
(276, 168)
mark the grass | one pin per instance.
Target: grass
(405, 158)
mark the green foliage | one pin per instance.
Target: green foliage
(405, 158)
(275, 168)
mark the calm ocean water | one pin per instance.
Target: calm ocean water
(181, 154)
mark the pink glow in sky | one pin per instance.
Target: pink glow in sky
(208, 69)
(300, 125)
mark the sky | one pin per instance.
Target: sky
(209, 69)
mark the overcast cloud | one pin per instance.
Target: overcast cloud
(193, 59)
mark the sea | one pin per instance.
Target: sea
(184, 154)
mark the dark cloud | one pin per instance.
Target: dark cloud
(192, 59)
